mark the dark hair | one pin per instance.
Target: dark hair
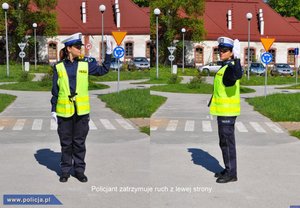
(63, 54)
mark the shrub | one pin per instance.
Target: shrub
(173, 79)
(24, 77)
(195, 82)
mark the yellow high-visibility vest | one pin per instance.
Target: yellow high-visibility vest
(225, 100)
(65, 106)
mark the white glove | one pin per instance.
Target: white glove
(109, 46)
(53, 115)
(236, 49)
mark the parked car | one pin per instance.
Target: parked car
(282, 69)
(212, 67)
(257, 68)
(114, 64)
(138, 63)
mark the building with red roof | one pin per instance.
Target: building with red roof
(228, 18)
(84, 16)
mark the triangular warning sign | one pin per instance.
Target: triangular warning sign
(119, 36)
(267, 42)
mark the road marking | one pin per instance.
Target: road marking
(206, 126)
(92, 125)
(124, 124)
(241, 127)
(189, 125)
(19, 125)
(37, 124)
(172, 125)
(1, 128)
(274, 127)
(257, 127)
(107, 124)
(53, 125)
(153, 128)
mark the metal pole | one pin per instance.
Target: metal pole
(266, 78)
(35, 59)
(7, 54)
(248, 58)
(183, 53)
(156, 46)
(118, 86)
(102, 46)
(296, 71)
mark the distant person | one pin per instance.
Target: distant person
(225, 104)
(70, 103)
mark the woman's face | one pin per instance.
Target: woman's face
(225, 54)
(74, 50)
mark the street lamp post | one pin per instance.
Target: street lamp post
(157, 13)
(249, 17)
(34, 25)
(102, 9)
(183, 30)
(5, 7)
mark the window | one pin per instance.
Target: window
(52, 51)
(215, 54)
(148, 49)
(273, 52)
(252, 55)
(199, 55)
(291, 56)
(128, 50)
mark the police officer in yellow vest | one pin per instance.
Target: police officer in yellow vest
(225, 104)
(70, 103)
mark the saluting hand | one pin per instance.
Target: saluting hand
(109, 46)
(236, 49)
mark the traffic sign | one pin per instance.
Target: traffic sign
(266, 58)
(296, 51)
(119, 36)
(171, 49)
(22, 46)
(119, 52)
(22, 54)
(171, 58)
(88, 46)
(267, 42)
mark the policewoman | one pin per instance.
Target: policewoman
(70, 103)
(225, 104)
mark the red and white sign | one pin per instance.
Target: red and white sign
(88, 46)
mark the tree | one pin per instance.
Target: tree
(142, 3)
(176, 14)
(290, 8)
(21, 15)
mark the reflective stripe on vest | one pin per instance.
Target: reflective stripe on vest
(65, 105)
(226, 100)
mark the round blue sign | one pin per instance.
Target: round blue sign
(119, 52)
(266, 58)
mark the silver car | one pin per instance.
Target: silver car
(138, 63)
(212, 67)
(282, 69)
(114, 64)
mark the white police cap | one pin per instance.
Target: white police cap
(225, 42)
(74, 39)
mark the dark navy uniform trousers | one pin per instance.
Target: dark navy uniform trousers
(227, 143)
(72, 134)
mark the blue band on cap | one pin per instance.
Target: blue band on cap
(73, 42)
(226, 45)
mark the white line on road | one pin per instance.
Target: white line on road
(124, 124)
(37, 124)
(1, 128)
(92, 125)
(206, 126)
(241, 127)
(189, 125)
(274, 127)
(19, 125)
(172, 125)
(53, 125)
(257, 127)
(107, 124)
(153, 128)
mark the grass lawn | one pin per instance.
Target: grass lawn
(6, 100)
(43, 86)
(295, 134)
(133, 103)
(292, 87)
(278, 107)
(145, 129)
(260, 80)
(124, 75)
